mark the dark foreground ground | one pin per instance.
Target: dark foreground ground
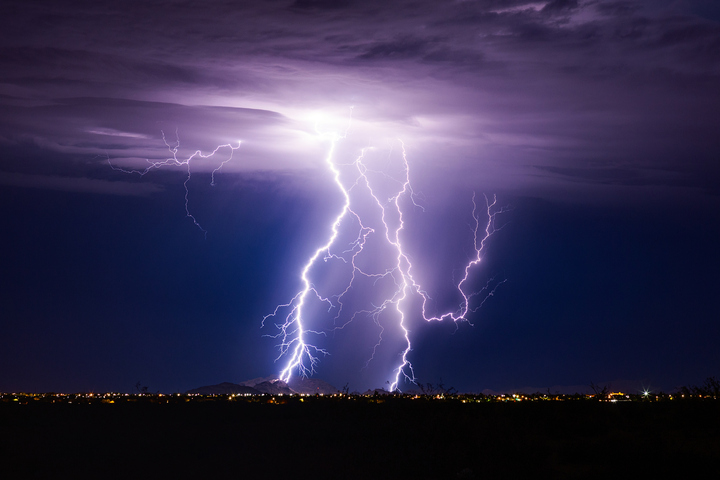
(324, 438)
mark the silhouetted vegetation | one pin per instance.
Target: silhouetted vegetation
(710, 388)
(599, 391)
(436, 389)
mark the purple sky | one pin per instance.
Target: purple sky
(596, 121)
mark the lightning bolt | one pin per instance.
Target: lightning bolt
(403, 265)
(173, 160)
(302, 356)
(294, 332)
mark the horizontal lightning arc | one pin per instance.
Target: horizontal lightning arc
(177, 162)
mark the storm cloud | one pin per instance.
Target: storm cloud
(519, 92)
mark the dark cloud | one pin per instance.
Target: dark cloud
(48, 65)
(618, 8)
(397, 49)
(559, 6)
(630, 176)
(321, 4)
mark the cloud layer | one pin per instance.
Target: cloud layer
(533, 97)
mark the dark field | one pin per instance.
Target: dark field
(331, 438)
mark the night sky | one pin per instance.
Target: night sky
(596, 123)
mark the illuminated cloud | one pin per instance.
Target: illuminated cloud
(509, 90)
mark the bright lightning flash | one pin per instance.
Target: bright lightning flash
(294, 334)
